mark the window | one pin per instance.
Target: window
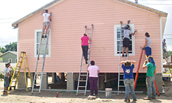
(10, 60)
(118, 40)
(16, 60)
(38, 34)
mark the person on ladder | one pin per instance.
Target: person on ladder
(6, 78)
(84, 45)
(147, 46)
(164, 48)
(46, 23)
(128, 67)
(150, 78)
(126, 40)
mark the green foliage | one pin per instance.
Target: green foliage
(9, 47)
(169, 53)
(1, 75)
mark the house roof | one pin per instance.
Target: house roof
(13, 52)
(161, 13)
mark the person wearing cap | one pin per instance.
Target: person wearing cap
(46, 23)
(6, 78)
(147, 46)
(84, 45)
(126, 40)
(150, 78)
(128, 67)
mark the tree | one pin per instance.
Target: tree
(9, 47)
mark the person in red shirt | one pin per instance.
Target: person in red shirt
(84, 45)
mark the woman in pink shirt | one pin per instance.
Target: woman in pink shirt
(93, 77)
(84, 44)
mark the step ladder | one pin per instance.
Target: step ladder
(85, 74)
(138, 69)
(22, 60)
(120, 75)
(39, 63)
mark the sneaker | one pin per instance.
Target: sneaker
(128, 100)
(146, 98)
(134, 100)
(86, 62)
(122, 55)
(153, 97)
(45, 36)
(42, 36)
(125, 55)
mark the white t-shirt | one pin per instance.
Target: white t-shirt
(127, 33)
(6, 70)
(148, 42)
(46, 15)
(93, 71)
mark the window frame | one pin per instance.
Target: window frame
(49, 43)
(115, 40)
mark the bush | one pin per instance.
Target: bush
(1, 76)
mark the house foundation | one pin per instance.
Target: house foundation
(70, 81)
(21, 81)
(158, 79)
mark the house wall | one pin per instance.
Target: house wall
(67, 26)
(7, 56)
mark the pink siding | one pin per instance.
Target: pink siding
(67, 27)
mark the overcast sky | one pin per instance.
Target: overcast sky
(12, 10)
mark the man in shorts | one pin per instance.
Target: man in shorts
(126, 40)
(6, 78)
(46, 23)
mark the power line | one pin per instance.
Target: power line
(9, 18)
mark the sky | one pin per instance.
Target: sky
(13, 10)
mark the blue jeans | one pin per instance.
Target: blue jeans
(129, 85)
(151, 91)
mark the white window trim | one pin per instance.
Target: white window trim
(115, 40)
(11, 60)
(49, 43)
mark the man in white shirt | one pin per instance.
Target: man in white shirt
(6, 78)
(46, 23)
(126, 40)
(93, 77)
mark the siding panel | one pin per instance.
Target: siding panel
(67, 27)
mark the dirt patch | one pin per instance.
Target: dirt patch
(21, 96)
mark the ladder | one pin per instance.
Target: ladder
(39, 63)
(137, 73)
(22, 60)
(81, 75)
(120, 75)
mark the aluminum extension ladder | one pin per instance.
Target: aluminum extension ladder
(84, 74)
(22, 60)
(120, 75)
(40, 62)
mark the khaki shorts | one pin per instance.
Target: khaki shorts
(46, 23)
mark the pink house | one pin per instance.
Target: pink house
(67, 26)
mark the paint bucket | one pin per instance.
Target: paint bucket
(57, 95)
(108, 92)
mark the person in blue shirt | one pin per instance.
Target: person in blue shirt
(128, 67)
